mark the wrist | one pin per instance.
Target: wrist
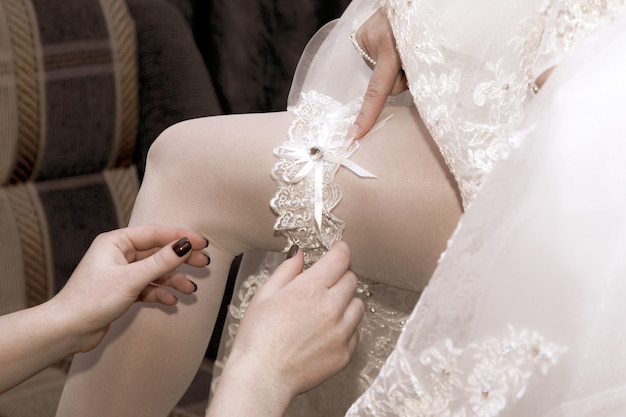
(266, 391)
(68, 324)
(39, 338)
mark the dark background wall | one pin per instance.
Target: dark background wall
(252, 47)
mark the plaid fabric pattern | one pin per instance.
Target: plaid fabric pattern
(70, 71)
(68, 127)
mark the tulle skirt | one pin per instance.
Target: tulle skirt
(524, 315)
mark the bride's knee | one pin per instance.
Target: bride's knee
(172, 147)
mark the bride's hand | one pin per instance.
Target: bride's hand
(376, 39)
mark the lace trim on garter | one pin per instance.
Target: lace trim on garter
(307, 193)
(478, 380)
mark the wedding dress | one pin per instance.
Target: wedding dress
(524, 315)
(471, 70)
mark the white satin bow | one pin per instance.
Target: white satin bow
(312, 156)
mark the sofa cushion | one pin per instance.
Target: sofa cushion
(68, 88)
(46, 226)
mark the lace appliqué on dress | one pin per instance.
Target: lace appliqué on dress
(473, 105)
(446, 380)
(387, 311)
(307, 193)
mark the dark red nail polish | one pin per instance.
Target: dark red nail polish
(208, 259)
(293, 250)
(182, 247)
(195, 286)
(207, 242)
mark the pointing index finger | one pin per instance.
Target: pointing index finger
(379, 88)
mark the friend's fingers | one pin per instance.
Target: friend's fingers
(353, 342)
(177, 281)
(161, 263)
(354, 313)
(283, 275)
(146, 237)
(332, 266)
(157, 294)
(344, 289)
(197, 258)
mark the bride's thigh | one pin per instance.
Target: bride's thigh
(398, 224)
(213, 175)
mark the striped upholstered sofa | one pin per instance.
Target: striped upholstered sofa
(85, 87)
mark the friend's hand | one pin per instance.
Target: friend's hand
(376, 38)
(299, 330)
(124, 266)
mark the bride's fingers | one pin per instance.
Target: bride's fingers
(383, 81)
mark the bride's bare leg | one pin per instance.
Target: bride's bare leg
(212, 175)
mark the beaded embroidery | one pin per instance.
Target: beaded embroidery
(446, 380)
(387, 310)
(472, 111)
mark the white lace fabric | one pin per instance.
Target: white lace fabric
(306, 194)
(386, 313)
(471, 77)
(540, 252)
(305, 173)
(471, 68)
(476, 380)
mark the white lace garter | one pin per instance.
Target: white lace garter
(308, 161)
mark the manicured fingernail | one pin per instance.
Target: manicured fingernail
(195, 286)
(292, 251)
(182, 247)
(207, 242)
(208, 259)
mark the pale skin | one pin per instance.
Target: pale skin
(279, 341)
(212, 175)
(119, 267)
(281, 349)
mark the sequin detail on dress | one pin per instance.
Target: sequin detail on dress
(387, 309)
(472, 107)
(479, 380)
